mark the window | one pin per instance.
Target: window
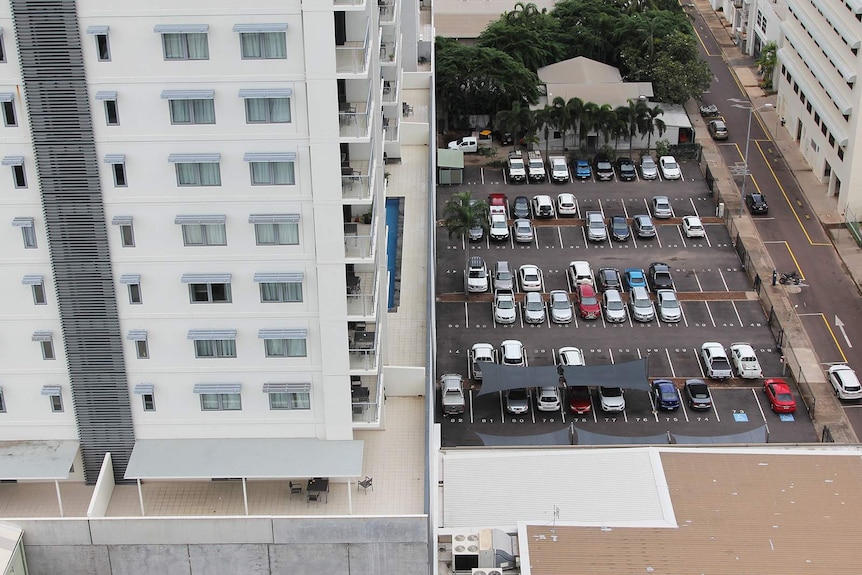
(272, 174)
(28, 231)
(263, 45)
(119, 171)
(8, 101)
(18, 176)
(209, 292)
(285, 347)
(46, 343)
(2, 402)
(112, 114)
(2, 48)
(207, 348)
(185, 46)
(277, 234)
(39, 294)
(198, 174)
(127, 233)
(280, 292)
(267, 110)
(103, 50)
(290, 400)
(204, 235)
(142, 349)
(192, 111)
(221, 402)
(135, 296)
(56, 403)
(149, 401)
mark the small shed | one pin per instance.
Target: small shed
(450, 167)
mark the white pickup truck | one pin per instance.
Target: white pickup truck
(465, 144)
(517, 171)
(536, 166)
(559, 169)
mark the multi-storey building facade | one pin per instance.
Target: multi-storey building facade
(193, 198)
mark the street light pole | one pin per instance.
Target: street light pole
(751, 112)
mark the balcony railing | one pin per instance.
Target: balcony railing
(390, 129)
(362, 295)
(348, 2)
(352, 56)
(390, 92)
(358, 240)
(357, 180)
(387, 11)
(364, 351)
(366, 397)
(352, 122)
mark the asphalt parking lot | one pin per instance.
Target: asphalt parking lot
(718, 304)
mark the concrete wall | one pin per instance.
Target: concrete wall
(404, 381)
(216, 546)
(103, 491)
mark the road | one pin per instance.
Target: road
(792, 232)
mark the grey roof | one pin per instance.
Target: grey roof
(251, 458)
(629, 375)
(579, 70)
(37, 460)
(450, 158)
(10, 535)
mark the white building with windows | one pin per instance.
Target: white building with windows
(193, 201)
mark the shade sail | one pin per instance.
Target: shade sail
(559, 437)
(756, 435)
(628, 375)
(584, 437)
(497, 377)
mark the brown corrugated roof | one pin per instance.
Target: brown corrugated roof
(779, 514)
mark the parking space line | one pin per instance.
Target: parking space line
(470, 391)
(560, 234)
(714, 408)
(548, 315)
(466, 316)
(658, 237)
(611, 354)
(652, 405)
(672, 370)
(505, 180)
(463, 243)
(694, 207)
(699, 287)
(736, 311)
(723, 280)
(709, 311)
(681, 236)
(502, 408)
(601, 209)
(699, 366)
(536, 237)
(682, 406)
(706, 237)
(682, 313)
(762, 414)
(482, 174)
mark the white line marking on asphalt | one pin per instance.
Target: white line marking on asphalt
(715, 409)
(699, 366)
(697, 279)
(709, 311)
(723, 280)
(736, 311)
(672, 370)
(760, 407)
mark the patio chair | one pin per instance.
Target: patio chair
(365, 484)
(295, 489)
(309, 497)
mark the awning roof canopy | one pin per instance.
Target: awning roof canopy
(452, 159)
(37, 460)
(628, 375)
(175, 459)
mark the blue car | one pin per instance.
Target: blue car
(583, 170)
(665, 394)
(634, 277)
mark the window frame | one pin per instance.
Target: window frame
(102, 42)
(290, 401)
(19, 177)
(282, 292)
(184, 37)
(272, 170)
(189, 104)
(209, 291)
(131, 288)
(127, 235)
(204, 236)
(199, 178)
(29, 235)
(277, 234)
(37, 290)
(268, 103)
(47, 348)
(10, 118)
(2, 49)
(148, 404)
(262, 43)
(218, 349)
(142, 349)
(56, 403)
(121, 179)
(268, 352)
(2, 402)
(220, 397)
(112, 109)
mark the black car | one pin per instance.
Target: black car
(697, 394)
(521, 207)
(604, 169)
(658, 276)
(619, 229)
(756, 203)
(626, 169)
(609, 278)
(506, 139)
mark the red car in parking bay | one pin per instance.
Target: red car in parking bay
(497, 204)
(779, 395)
(588, 303)
(579, 399)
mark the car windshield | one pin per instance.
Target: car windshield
(531, 277)
(620, 225)
(477, 274)
(504, 276)
(534, 305)
(670, 165)
(783, 397)
(523, 227)
(643, 303)
(589, 300)
(612, 391)
(669, 303)
(645, 224)
(518, 394)
(498, 224)
(615, 304)
(505, 304)
(668, 395)
(698, 391)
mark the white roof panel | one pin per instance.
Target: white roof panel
(37, 460)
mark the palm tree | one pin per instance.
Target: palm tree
(516, 120)
(638, 118)
(605, 120)
(574, 110)
(546, 119)
(462, 212)
(649, 121)
(588, 121)
(560, 115)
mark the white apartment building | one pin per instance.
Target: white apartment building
(192, 219)
(818, 94)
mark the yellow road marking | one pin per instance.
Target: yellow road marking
(835, 339)
(705, 49)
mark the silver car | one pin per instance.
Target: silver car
(503, 278)
(669, 309)
(504, 307)
(522, 230)
(661, 207)
(641, 305)
(596, 231)
(561, 307)
(613, 306)
(649, 170)
(517, 401)
(534, 307)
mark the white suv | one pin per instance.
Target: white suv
(476, 275)
(715, 359)
(844, 382)
(512, 352)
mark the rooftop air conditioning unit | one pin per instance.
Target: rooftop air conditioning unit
(486, 571)
(465, 551)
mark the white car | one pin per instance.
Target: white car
(571, 356)
(530, 278)
(504, 307)
(561, 307)
(512, 353)
(580, 272)
(693, 227)
(613, 306)
(668, 306)
(669, 168)
(715, 360)
(479, 353)
(548, 398)
(543, 207)
(476, 275)
(498, 227)
(566, 205)
(844, 382)
(612, 399)
(596, 231)
(534, 308)
(745, 361)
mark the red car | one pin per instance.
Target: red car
(588, 303)
(579, 399)
(779, 395)
(497, 204)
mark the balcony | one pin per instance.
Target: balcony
(390, 129)
(359, 240)
(366, 395)
(364, 351)
(357, 180)
(387, 11)
(390, 92)
(362, 295)
(388, 51)
(352, 56)
(354, 119)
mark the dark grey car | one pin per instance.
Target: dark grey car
(697, 394)
(643, 226)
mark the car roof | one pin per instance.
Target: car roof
(476, 261)
(691, 219)
(613, 294)
(660, 383)
(669, 293)
(478, 346)
(639, 292)
(667, 159)
(642, 217)
(529, 268)
(557, 293)
(586, 289)
(712, 345)
(533, 295)
(566, 195)
(659, 199)
(634, 271)
(522, 222)
(542, 198)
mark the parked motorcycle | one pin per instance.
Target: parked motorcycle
(710, 111)
(790, 278)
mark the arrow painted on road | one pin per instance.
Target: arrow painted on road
(840, 325)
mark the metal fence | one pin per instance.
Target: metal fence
(854, 224)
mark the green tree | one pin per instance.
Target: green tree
(680, 73)
(650, 122)
(589, 121)
(519, 119)
(527, 34)
(606, 119)
(575, 110)
(766, 61)
(462, 212)
(546, 120)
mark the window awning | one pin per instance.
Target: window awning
(7, 97)
(37, 460)
(266, 93)
(200, 219)
(108, 95)
(218, 388)
(32, 280)
(252, 458)
(286, 387)
(52, 390)
(144, 389)
(181, 28)
(22, 222)
(130, 279)
(276, 27)
(194, 158)
(273, 219)
(282, 334)
(43, 335)
(211, 334)
(205, 278)
(288, 277)
(188, 94)
(269, 157)
(12, 161)
(137, 335)
(98, 29)
(122, 220)
(115, 158)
